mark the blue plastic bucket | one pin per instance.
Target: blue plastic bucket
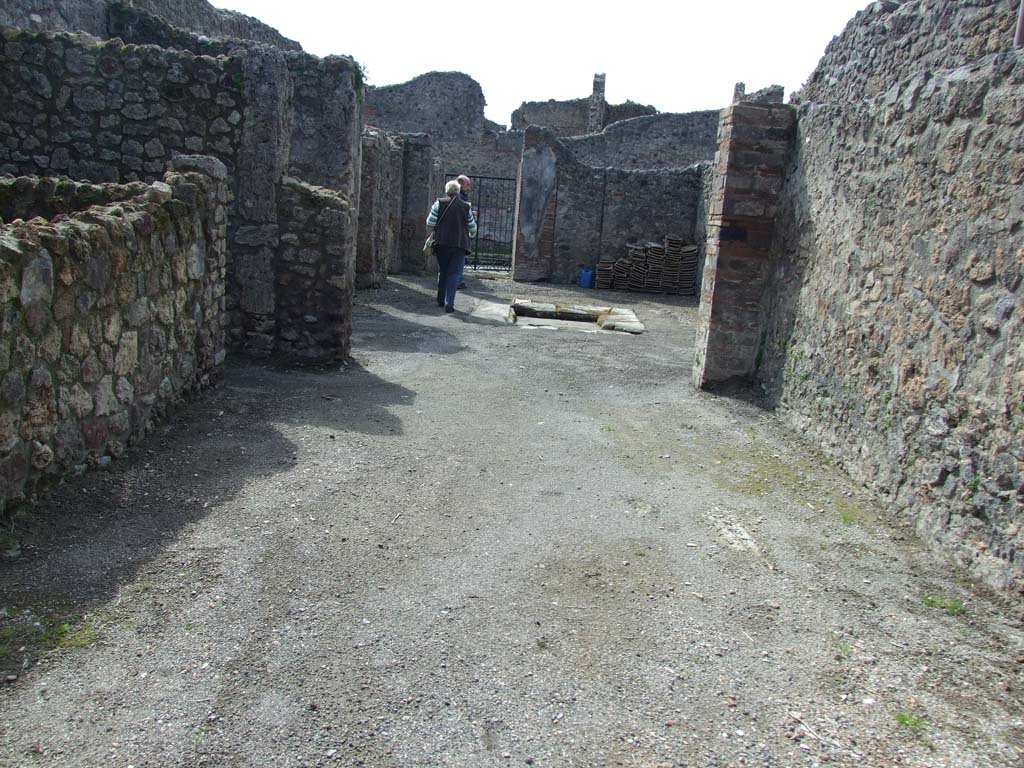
(587, 278)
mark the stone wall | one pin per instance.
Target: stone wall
(314, 274)
(700, 227)
(326, 120)
(449, 107)
(110, 314)
(598, 106)
(110, 111)
(573, 117)
(253, 233)
(107, 112)
(773, 94)
(380, 209)
(25, 197)
(613, 113)
(492, 153)
(894, 334)
(572, 214)
(91, 16)
(443, 104)
(422, 183)
(655, 141)
(563, 118)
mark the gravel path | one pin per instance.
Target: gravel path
(486, 545)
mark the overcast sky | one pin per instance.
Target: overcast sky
(676, 56)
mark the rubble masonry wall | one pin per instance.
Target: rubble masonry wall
(894, 335)
(91, 16)
(449, 107)
(380, 209)
(110, 313)
(654, 141)
(110, 111)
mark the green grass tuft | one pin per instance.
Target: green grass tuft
(950, 605)
(911, 720)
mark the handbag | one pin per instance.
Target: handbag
(428, 246)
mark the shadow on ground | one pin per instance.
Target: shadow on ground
(93, 534)
(400, 317)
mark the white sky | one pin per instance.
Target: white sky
(676, 56)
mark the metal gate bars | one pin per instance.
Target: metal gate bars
(494, 205)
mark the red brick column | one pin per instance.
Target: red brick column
(754, 144)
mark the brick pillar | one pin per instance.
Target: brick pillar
(754, 144)
(595, 117)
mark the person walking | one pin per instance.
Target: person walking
(451, 220)
(465, 183)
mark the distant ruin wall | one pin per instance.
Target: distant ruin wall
(773, 94)
(442, 104)
(572, 214)
(572, 117)
(110, 314)
(90, 16)
(895, 335)
(563, 118)
(449, 107)
(613, 113)
(491, 154)
(380, 209)
(655, 141)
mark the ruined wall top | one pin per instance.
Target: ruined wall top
(575, 116)
(916, 36)
(446, 105)
(91, 16)
(650, 141)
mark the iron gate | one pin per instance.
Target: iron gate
(494, 205)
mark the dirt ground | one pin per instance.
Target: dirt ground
(480, 544)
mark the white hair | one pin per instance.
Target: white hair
(452, 188)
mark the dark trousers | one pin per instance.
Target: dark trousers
(450, 261)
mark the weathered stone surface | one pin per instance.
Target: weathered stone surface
(326, 122)
(314, 294)
(159, 192)
(95, 403)
(449, 106)
(655, 141)
(92, 16)
(421, 185)
(894, 335)
(37, 291)
(577, 117)
(380, 208)
(204, 164)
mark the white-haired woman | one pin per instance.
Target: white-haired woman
(453, 224)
